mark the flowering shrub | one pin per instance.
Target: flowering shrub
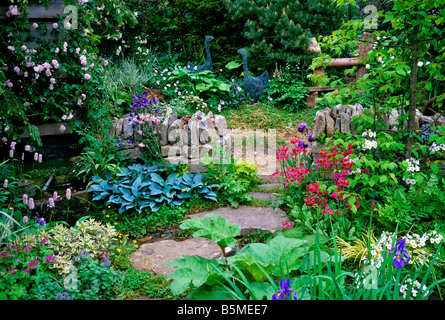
(420, 248)
(22, 266)
(87, 236)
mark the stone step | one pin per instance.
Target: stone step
(266, 196)
(152, 256)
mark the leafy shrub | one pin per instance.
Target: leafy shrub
(140, 187)
(285, 90)
(89, 279)
(24, 266)
(87, 235)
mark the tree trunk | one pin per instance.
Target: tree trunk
(412, 91)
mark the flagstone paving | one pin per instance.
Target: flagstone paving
(151, 256)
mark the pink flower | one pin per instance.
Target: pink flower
(87, 76)
(24, 48)
(51, 202)
(55, 195)
(57, 50)
(40, 158)
(35, 25)
(10, 48)
(28, 148)
(31, 203)
(36, 156)
(287, 224)
(68, 193)
(55, 25)
(5, 183)
(25, 199)
(52, 80)
(62, 128)
(13, 143)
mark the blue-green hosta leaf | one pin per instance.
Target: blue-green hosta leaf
(187, 179)
(171, 178)
(114, 199)
(157, 178)
(125, 172)
(155, 206)
(101, 196)
(96, 179)
(155, 189)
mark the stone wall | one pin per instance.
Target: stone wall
(189, 139)
(184, 140)
(340, 118)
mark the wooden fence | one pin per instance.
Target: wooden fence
(365, 46)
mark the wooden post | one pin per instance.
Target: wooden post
(314, 47)
(364, 50)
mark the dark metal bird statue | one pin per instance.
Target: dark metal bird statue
(207, 64)
(253, 86)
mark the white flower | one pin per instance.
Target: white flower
(420, 63)
(368, 66)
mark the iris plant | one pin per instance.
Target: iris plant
(402, 254)
(285, 292)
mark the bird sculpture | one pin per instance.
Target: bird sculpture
(253, 86)
(207, 64)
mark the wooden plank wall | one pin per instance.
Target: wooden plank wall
(38, 14)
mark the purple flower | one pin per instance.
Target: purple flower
(401, 255)
(285, 291)
(301, 127)
(41, 220)
(309, 138)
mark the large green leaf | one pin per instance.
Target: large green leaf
(214, 227)
(193, 271)
(277, 257)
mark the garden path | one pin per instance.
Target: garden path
(151, 256)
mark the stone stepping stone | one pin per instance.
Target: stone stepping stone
(152, 256)
(264, 218)
(268, 186)
(263, 196)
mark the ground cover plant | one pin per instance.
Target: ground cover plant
(365, 214)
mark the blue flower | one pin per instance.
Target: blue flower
(285, 291)
(301, 127)
(401, 255)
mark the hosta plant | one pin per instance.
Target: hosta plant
(142, 187)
